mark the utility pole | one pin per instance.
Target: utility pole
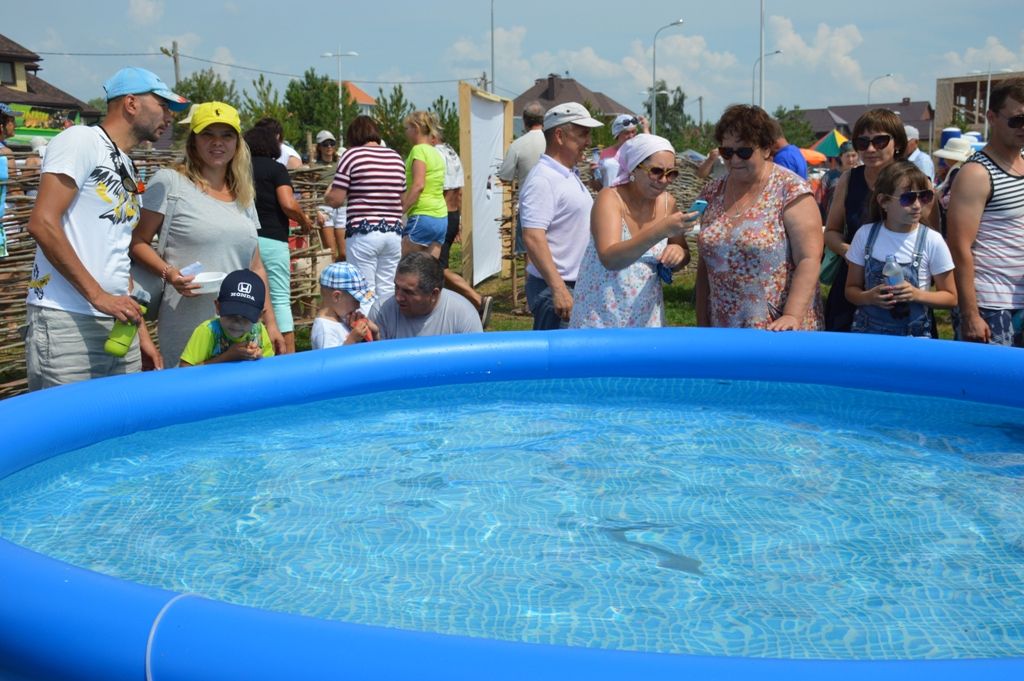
(173, 54)
(177, 63)
(700, 108)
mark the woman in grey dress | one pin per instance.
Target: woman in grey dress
(205, 207)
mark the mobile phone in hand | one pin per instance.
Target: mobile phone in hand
(699, 206)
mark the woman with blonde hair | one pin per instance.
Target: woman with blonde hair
(423, 201)
(204, 211)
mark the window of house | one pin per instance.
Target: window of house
(7, 72)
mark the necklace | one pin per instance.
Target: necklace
(744, 201)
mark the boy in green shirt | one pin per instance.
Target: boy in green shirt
(236, 333)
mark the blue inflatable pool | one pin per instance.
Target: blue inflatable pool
(62, 622)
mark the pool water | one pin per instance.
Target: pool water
(683, 516)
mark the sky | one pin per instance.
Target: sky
(830, 56)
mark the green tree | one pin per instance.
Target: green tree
(795, 126)
(204, 86)
(672, 121)
(448, 116)
(98, 103)
(207, 86)
(313, 103)
(265, 102)
(390, 112)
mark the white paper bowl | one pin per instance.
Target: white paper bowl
(209, 282)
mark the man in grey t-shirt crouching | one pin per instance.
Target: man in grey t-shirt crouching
(421, 305)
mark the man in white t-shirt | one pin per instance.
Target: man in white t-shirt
(522, 156)
(555, 210)
(82, 221)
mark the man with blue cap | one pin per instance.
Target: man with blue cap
(87, 206)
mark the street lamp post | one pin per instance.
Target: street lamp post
(492, 46)
(884, 75)
(654, 75)
(753, 77)
(341, 102)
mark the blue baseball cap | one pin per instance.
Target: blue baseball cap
(132, 80)
(343, 276)
(8, 111)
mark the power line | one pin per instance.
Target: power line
(246, 68)
(236, 66)
(103, 54)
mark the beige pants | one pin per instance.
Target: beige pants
(64, 347)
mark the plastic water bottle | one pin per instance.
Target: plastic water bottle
(120, 338)
(893, 274)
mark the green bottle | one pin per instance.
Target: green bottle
(120, 338)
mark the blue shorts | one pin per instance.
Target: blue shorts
(424, 230)
(1004, 324)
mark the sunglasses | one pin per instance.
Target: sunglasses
(1015, 121)
(907, 199)
(127, 180)
(656, 173)
(743, 152)
(629, 121)
(879, 142)
(328, 143)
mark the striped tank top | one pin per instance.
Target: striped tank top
(999, 247)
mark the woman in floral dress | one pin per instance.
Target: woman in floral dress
(636, 230)
(760, 242)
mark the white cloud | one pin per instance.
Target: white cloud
(830, 50)
(145, 12)
(993, 53)
(223, 54)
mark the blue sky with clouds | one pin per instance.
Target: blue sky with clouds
(831, 51)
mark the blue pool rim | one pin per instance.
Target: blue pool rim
(62, 622)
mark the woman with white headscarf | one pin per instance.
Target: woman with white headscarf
(637, 234)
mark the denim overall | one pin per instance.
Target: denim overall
(875, 319)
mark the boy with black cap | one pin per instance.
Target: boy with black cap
(236, 333)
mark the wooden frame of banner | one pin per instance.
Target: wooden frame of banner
(466, 93)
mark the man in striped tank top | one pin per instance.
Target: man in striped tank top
(986, 226)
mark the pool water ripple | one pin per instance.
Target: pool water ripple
(703, 517)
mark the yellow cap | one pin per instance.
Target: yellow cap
(208, 113)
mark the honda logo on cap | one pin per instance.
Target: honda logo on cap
(244, 287)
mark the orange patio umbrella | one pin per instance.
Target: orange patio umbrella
(813, 158)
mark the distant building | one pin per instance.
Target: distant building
(967, 96)
(47, 109)
(555, 90)
(364, 101)
(921, 115)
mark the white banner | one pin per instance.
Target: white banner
(487, 126)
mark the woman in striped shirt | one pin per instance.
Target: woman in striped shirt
(370, 181)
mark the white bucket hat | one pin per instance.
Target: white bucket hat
(957, 149)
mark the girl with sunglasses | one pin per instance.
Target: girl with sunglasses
(760, 239)
(902, 193)
(880, 139)
(637, 235)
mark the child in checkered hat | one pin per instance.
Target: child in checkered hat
(347, 299)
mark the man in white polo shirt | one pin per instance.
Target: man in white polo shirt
(555, 210)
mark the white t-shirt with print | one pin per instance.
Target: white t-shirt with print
(98, 223)
(937, 258)
(454, 177)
